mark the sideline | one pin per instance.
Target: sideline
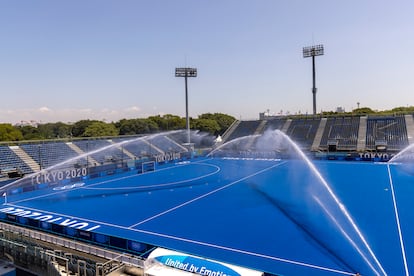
(205, 195)
(397, 218)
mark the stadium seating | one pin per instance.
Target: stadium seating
(275, 124)
(343, 130)
(137, 146)
(94, 148)
(10, 161)
(389, 130)
(303, 131)
(49, 153)
(244, 128)
(165, 144)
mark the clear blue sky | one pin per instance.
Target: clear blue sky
(112, 59)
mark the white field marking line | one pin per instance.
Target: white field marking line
(142, 174)
(102, 182)
(344, 233)
(45, 195)
(66, 216)
(246, 252)
(161, 184)
(205, 195)
(397, 218)
(193, 241)
(69, 216)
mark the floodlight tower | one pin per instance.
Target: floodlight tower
(312, 51)
(186, 73)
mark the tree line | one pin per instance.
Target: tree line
(368, 111)
(215, 124)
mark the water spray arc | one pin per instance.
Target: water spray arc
(405, 159)
(369, 254)
(334, 232)
(104, 150)
(306, 197)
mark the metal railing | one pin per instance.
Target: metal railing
(113, 257)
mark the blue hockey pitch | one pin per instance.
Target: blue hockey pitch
(270, 215)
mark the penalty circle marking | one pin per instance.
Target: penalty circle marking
(168, 184)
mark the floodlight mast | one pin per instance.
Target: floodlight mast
(186, 73)
(312, 51)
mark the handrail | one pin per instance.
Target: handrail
(229, 128)
(76, 245)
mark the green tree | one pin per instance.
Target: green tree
(159, 121)
(168, 122)
(205, 125)
(402, 109)
(363, 110)
(126, 127)
(78, 128)
(98, 129)
(61, 130)
(136, 126)
(223, 120)
(10, 133)
(46, 131)
(30, 132)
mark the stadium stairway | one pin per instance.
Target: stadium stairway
(78, 150)
(124, 151)
(286, 125)
(26, 158)
(362, 133)
(153, 146)
(260, 128)
(230, 130)
(409, 123)
(319, 134)
(175, 143)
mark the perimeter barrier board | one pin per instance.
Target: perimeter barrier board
(162, 262)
